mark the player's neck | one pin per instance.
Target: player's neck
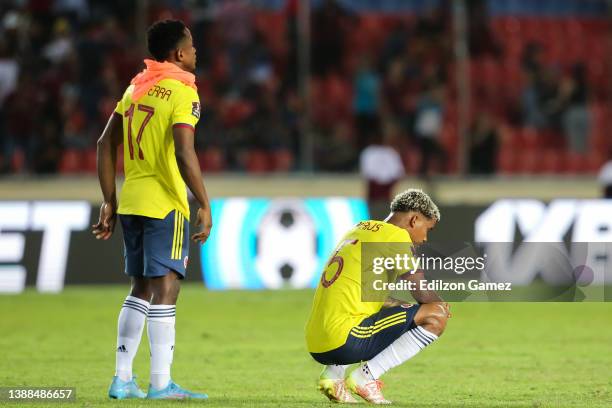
(395, 219)
(178, 64)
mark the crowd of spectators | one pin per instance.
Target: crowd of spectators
(556, 102)
(65, 63)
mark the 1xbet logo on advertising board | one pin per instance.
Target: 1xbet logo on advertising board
(565, 232)
(56, 220)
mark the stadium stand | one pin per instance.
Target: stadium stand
(539, 71)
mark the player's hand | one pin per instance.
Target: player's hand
(203, 219)
(106, 223)
(448, 313)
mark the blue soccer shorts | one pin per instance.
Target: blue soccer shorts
(154, 247)
(374, 334)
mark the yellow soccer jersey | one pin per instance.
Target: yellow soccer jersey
(153, 184)
(337, 305)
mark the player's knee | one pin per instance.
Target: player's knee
(434, 324)
(433, 317)
(142, 290)
(164, 296)
(165, 290)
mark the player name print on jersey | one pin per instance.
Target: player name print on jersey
(369, 226)
(161, 93)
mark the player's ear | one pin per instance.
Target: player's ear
(413, 220)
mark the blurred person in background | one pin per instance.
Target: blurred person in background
(534, 92)
(394, 90)
(235, 18)
(25, 102)
(9, 74)
(336, 152)
(380, 165)
(61, 44)
(572, 101)
(397, 94)
(366, 99)
(428, 123)
(265, 127)
(395, 44)
(542, 109)
(481, 41)
(48, 146)
(331, 22)
(484, 145)
(290, 79)
(73, 119)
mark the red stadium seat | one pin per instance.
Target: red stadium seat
(594, 161)
(70, 162)
(528, 160)
(88, 162)
(550, 161)
(211, 160)
(575, 163)
(235, 111)
(527, 138)
(506, 161)
(273, 28)
(17, 161)
(283, 160)
(257, 161)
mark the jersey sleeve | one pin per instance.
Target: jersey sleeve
(187, 110)
(120, 108)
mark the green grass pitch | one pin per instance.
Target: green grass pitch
(246, 349)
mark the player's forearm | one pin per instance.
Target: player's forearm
(426, 296)
(107, 158)
(189, 167)
(422, 296)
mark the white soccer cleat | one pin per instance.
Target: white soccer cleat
(336, 391)
(369, 390)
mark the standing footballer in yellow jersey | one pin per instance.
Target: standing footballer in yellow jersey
(155, 121)
(343, 330)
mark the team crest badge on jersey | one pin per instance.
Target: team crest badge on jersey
(185, 262)
(195, 109)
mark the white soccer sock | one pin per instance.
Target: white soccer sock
(129, 331)
(161, 341)
(401, 350)
(334, 371)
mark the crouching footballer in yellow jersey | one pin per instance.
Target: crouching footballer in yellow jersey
(343, 330)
